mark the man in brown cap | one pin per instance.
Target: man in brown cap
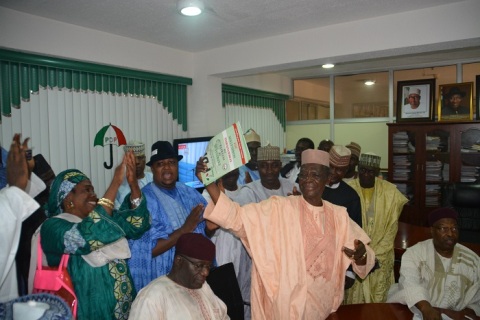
(183, 293)
(382, 205)
(249, 171)
(439, 275)
(300, 245)
(341, 194)
(355, 150)
(270, 183)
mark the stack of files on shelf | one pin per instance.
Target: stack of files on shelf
(402, 187)
(400, 142)
(433, 143)
(469, 173)
(446, 172)
(401, 168)
(433, 171)
(432, 195)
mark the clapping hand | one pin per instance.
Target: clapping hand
(17, 168)
(130, 164)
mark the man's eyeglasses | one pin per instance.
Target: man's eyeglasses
(312, 175)
(444, 229)
(197, 265)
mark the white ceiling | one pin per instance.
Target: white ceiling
(226, 22)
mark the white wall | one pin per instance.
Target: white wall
(410, 32)
(406, 33)
(25, 32)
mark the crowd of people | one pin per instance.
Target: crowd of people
(303, 238)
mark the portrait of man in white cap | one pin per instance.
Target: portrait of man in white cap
(416, 101)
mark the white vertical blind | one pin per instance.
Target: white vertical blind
(262, 120)
(62, 125)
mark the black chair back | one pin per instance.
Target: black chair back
(465, 199)
(224, 284)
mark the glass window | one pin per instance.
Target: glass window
(355, 99)
(311, 100)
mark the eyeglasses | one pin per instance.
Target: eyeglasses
(444, 229)
(312, 175)
(197, 265)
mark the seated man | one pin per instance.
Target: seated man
(183, 293)
(439, 275)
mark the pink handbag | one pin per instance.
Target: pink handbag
(55, 280)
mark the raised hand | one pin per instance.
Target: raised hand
(193, 219)
(119, 172)
(358, 254)
(295, 192)
(131, 175)
(200, 167)
(17, 169)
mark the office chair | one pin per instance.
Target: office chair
(465, 199)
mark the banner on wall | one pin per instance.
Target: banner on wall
(109, 135)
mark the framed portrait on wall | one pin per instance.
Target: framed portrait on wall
(415, 100)
(455, 102)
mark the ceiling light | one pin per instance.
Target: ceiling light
(369, 82)
(328, 66)
(190, 7)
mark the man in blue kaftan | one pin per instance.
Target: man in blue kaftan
(175, 209)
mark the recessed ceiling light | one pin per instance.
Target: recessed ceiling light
(328, 66)
(369, 82)
(190, 7)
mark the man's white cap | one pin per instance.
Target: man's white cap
(414, 91)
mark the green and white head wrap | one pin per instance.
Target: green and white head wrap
(64, 182)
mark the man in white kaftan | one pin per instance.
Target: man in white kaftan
(183, 293)
(16, 205)
(430, 277)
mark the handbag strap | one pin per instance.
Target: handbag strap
(63, 261)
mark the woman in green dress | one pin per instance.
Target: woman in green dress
(94, 235)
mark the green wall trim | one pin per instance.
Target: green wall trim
(22, 73)
(256, 98)
(29, 58)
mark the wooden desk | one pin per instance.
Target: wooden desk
(372, 311)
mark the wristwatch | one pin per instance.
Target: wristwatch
(136, 202)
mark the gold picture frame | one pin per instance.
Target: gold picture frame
(455, 102)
